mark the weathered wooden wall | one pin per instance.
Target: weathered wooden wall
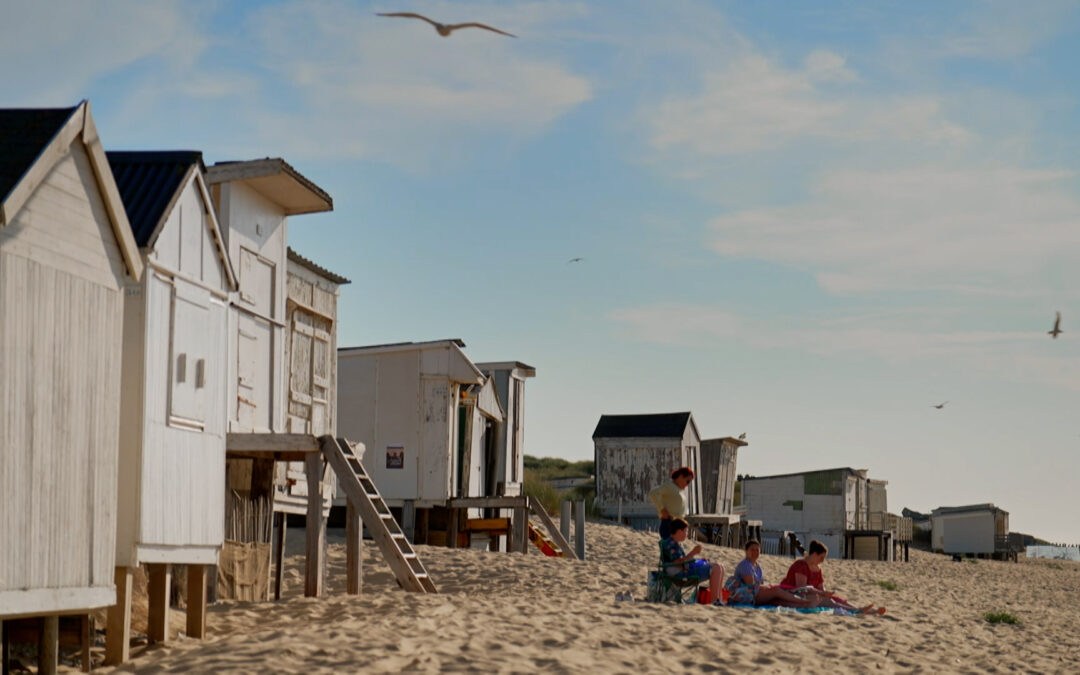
(60, 348)
(628, 468)
(717, 479)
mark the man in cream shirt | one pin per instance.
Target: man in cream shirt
(669, 500)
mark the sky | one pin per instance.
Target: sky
(808, 222)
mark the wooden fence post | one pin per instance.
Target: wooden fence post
(579, 529)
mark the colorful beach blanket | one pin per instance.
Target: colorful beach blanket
(796, 610)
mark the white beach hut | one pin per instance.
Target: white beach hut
(509, 379)
(175, 374)
(975, 529)
(66, 251)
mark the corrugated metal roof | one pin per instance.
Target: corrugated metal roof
(24, 133)
(148, 181)
(316, 268)
(662, 425)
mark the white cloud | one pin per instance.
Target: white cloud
(50, 52)
(918, 229)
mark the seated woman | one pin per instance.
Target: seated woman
(681, 565)
(745, 586)
(804, 577)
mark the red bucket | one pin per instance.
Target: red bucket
(704, 596)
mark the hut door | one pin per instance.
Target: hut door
(309, 375)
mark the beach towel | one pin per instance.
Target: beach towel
(795, 610)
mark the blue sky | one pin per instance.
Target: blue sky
(804, 221)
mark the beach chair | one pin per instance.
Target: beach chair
(665, 587)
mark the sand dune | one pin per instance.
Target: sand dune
(512, 613)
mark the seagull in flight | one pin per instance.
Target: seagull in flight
(574, 260)
(444, 29)
(742, 436)
(1056, 331)
(939, 406)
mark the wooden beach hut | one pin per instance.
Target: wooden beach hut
(975, 529)
(440, 438)
(843, 508)
(66, 252)
(718, 460)
(634, 454)
(175, 375)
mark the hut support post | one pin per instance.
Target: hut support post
(452, 526)
(281, 522)
(354, 549)
(196, 601)
(519, 528)
(49, 645)
(579, 529)
(118, 625)
(408, 520)
(86, 640)
(315, 527)
(564, 519)
(3, 649)
(160, 578)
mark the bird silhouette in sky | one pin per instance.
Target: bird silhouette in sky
(444, 29)
(742, 436)
(939, 406)
(574, 260)
(1056, 330)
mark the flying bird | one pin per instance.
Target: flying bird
(1056, 330)
(444, 29)
(742, 436)
(939, 406)
(573, 260)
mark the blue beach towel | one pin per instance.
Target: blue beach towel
(795, 610)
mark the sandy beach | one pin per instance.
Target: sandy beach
(517, 614)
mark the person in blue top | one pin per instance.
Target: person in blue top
(681, 564)
(745, 587)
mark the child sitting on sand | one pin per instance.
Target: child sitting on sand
(746, 585)
(681, 565)
(804, 578)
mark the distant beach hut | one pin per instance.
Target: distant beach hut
(718, 475)
(175, 375)
(509, 378)
(634, 454)
(976, 529)
(440, 436)
(843, 508)
(66, 252)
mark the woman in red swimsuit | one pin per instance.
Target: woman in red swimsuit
(804, 577)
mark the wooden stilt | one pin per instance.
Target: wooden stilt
(196, 601)
(354, 549)
(564, 519)
(3, 650)
(86, 640)
(519, 527)
(408, 520)
(160, 578)
(579, 529)
(118, 626)
(452, 527)
(315, 527)
(49, 645)
(281, 523)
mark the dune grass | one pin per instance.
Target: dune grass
(1001, 617)
(887, 585)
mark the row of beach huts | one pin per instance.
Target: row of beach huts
(169, 379)
(842, 507)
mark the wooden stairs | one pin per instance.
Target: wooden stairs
(361, 491)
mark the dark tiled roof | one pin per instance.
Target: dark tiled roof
(24, 133)
(663, 425)
(147, 182)
(316, 268)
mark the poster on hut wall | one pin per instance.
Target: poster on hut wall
(395, 457)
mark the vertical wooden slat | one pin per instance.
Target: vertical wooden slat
(196, 601)
(281, 523)
(86, 641)
(354, 549)
(160, 576)
(579, 528)
(519, 524)
(452, 527)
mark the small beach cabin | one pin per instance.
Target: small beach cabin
(717, 479)
(634, 454)
(976, 529)
(509, 380)
(175, 375)
(66, 254)
(433, 425)
(311, 315)
(842, 508)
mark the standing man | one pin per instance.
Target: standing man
(669, 499)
